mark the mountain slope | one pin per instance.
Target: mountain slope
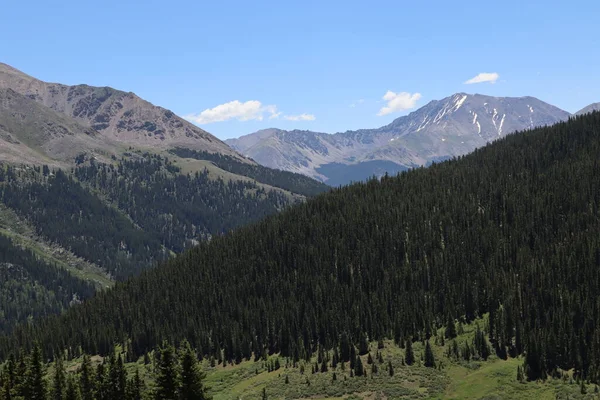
(589, 109)
(34, 134)
(511, 230)
(119, 117)
(441, 129)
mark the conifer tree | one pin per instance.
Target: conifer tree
(59, 381)
(72, 389)
(167, 379)
(34, 384)
(135, 387)
(429, 357)
(363, 347)
(324, 366)
(358, 367)
(390, 368)
(409, 356)
(450, 328)
(86, 379)
(117, 378)
(192, 387)
(102, 383)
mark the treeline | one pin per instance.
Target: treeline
(512, 229)
(31, 288)
(296, 183)
(174, 375)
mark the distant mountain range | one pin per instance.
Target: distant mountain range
(440, 130)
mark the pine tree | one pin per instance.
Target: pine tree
(59, 382)
(72, 391)
(86, 379)
(117, 377)
(363, 347)
(34, 385)
(358, 367)
(135, 387)
(264, 394)
(167, 379)
(192, 387)
(450, 328)
(520, 376)
(390, 368)
(324, 366)
(409, 356)
(102, 391)
(429, 357)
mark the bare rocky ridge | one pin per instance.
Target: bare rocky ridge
(441, 129)
(118, 117)
(32, 133)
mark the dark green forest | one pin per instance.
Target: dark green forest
(512, 230)
(129, 216)
(31, 288)
(295, 183)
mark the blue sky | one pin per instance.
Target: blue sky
(318, 65)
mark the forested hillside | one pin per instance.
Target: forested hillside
(31, 288)
(295, 183)
(512, 230)
(127, 216)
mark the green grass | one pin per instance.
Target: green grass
(492, 379)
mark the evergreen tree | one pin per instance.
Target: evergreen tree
(429, 357)
(324, 366)
(72, 389)
(102, 382)
(363, 344)
(167, 379)
(409, 356)
(192, 376)
(34, 385)
(59, 382)
(135, 387)
(520, 376)
(86, 379)
(358, 367)
(117, 377)
(390, 368)
(450, 328)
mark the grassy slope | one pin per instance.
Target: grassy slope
(492, 379)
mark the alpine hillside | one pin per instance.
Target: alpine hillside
(440, 130)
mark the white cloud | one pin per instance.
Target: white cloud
(490, 77)
(249, 110)
(301, 117)
(398, 102)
